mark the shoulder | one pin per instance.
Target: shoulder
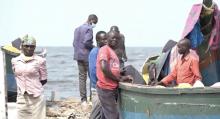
(15, 59)
(83, 27)
(104, 48)
(196, 6)
(94, 50)
(86, 27)
(122, 36)
(193, 56)
(40, 59)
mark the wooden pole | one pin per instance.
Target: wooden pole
(3, 94)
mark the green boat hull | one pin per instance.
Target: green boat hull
(142, 102)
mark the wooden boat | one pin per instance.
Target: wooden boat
(144, 102)
(11, 83)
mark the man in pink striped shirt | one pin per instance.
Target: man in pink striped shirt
(30, 74)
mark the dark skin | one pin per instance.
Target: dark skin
(101, 39)
(207, 3)
(95, 21)
(113, 38)
(28, 51)
(92, 19)
(116, 29)
(183, 49)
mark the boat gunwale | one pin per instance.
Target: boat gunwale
(138, 88)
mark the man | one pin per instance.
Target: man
(101, 40)
(108, 73)
(83, 43)
(187, 68)
(30, 74)
(120, 50)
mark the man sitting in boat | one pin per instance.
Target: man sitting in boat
(187, 68)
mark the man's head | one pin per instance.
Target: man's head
(92, 20)
(28, 45)
(113, 37)
(183, 46)
(101, 38)
(114, 28)
(208, 3)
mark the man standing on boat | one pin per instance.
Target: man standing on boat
(108, 73)
(187, 68)
(83, 44)
(120, 50)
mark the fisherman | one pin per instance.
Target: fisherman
(101, 40)
(83, 44)
(30, 74)
(108, 73)
(187, 68)
(120, 50)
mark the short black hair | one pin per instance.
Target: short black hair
(114, 28)
(187, 42)
(113, 32)
(98, 33)
(92, 17)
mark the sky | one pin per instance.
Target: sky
(145, 23)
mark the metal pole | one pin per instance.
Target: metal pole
(3, 94)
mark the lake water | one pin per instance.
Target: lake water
(63, 70)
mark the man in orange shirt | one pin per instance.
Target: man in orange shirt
(187, 67)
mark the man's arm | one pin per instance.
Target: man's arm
(124, 56)
(88, 39)
(107, 72)
(43, 72)
(170, 77)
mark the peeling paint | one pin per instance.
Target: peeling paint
(191, 104)
(148, 112)
(133, 99)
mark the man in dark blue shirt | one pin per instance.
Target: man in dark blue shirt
(83, 43)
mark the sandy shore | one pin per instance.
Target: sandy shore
(66, 108)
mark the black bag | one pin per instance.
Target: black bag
(130, 70)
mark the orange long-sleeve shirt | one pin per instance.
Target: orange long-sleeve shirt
(186, 70)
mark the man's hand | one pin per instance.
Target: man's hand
(158, 83)
(127, 78)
